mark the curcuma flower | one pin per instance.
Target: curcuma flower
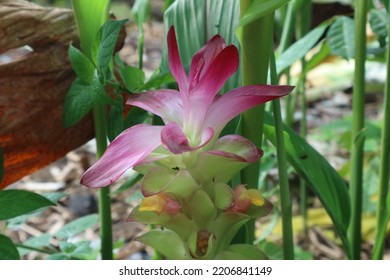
(194, 116)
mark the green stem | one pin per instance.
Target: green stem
(140, 47)
(383, 169)
(255, 42)
(285, 198)
(303, 27)
(99, 114)
(285, 42)
(358, 105)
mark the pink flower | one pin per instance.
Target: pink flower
(194, 116)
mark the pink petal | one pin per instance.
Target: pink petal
(129, 148)
(221, 68)
(174, 139)
(236, 101)
(204, 57)
(164, 103)
(174, 61)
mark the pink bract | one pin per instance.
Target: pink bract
(194, 116)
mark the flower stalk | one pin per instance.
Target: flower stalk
(358, 106)
(384, 176)
(89, 18)
(285, 197)
(255, 41)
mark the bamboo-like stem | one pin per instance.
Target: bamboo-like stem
(99, 115)
(90, 17)
(303, 26)
(255, 42)
(285, 198)
(384, 175)
(358, 106)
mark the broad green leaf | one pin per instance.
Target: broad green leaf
(59, 256)
(198, 21)
(90, 16)
(8, 250)
(156, 81)
(166, 242)
(386, 4)
(341, 37)
(108, 37)
(36, 242)
(18, 202)
(17, 221)
(67, 247)
(77, 226)
(141, 11)
(81, 64)
(132, 77)
(319, 174)
(318, 57)
(135, 116)
(300, 48)
(78, 102)
(260, 8)
(115, 119)
(84, 251)
(1, 164)
(379, 19)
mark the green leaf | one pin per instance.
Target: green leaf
(1, 164)
(156, 81)
(319, 174)
(108, 37)
(17, 221)
(77, 226)
(59, 256)
(67, 247)
(300, 48)
(135, 116)
(386, 4)
(81, 64)
(260, 8)
(318, 57)
(89, 18)
(166, 242)
(78, 102)
(8, 250)
(18, 202)
(379, 19)
(36, 242)
(132, 77)
(341, 37)
(115, 119)
(141, 11)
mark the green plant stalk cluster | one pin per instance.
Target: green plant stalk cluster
(384, 176)
(88, 24)
(255, 44)
(285, 197)
(303, 27)
(358, 106)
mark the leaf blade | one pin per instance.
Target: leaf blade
(8, 250)
(19, 202)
